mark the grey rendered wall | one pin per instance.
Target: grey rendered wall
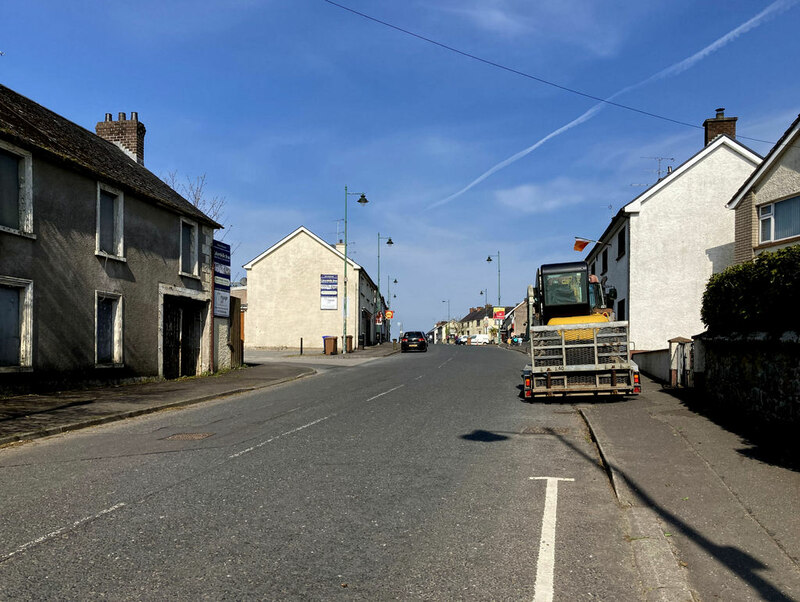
(62, 263)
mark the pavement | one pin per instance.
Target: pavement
(713, 506)
(27, 417)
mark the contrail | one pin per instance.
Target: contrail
(672, 70)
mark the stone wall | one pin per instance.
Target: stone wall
(756, 376)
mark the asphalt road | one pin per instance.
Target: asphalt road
(416, 476)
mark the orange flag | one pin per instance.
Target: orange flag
(580, 243)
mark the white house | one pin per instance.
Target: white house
(295, 290)
(660, 249)
(767, 206)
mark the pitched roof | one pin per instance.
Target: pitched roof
(791, 134)
(291, 236)
(634, 205)
(33, 127)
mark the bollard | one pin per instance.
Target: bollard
(301, 345)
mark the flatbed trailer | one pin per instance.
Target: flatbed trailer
(580, 359)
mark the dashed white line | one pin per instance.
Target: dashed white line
(271, 439)
(545, 565)
(58, 532)
(444, 362)
(385, 393)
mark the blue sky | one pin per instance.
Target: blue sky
(283, 103)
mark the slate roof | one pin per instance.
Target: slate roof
(33, 127)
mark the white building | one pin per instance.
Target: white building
(295, 290)
(659, 251)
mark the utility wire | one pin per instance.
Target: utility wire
(527, 75)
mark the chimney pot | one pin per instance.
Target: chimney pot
(127, 135)
(719, 125)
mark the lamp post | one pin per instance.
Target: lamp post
(389, 296)
(489, 259)
(447, 328)
(362, 201)
(389, 243)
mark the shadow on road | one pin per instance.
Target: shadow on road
(484, 436)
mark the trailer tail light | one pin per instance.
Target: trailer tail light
(637, 389)
(528, 393)
(527, 383)
(636, 378)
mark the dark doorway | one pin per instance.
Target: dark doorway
(183, 333)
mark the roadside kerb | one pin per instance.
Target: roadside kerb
(115, 417)
(662, 577)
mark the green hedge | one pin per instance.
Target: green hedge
(759, 296)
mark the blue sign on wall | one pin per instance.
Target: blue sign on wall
(221, 253)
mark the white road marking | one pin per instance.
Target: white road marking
(271, 439)
(545, 565)
(58, 532)
(385, 393)
(420, 376)
(444, 362)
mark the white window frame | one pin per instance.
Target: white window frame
(195, 273)
(25, 191)
(26, 324)
(119, 223)
(117, 330)
(766, 213)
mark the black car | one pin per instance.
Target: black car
(413, 339)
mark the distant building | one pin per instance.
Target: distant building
(767, 206)
(660, 249)
(295, 290)
(480, 320)
(105, 271)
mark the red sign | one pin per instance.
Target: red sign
(379, 319)
(499, 313)
(389, 314)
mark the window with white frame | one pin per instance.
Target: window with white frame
(108, 329)
(189, 243)
(16, 190)
(779, 220)
(16, 323)
(110, 222)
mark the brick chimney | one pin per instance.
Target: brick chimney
(720, 125)
(128, 134)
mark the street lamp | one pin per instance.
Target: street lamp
(389, 296)
(489, 259)
(447, 328)
(361, 201)
(389, 243)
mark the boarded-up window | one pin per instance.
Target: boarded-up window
(105, 330)
(107, 236)
(188, 248)
(9, 190)
(621, 310)
(9, 326)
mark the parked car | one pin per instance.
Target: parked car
(413, 339)
(479, 339)
(462, 340)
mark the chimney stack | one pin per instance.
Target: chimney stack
(719, 125)
(128, 134)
